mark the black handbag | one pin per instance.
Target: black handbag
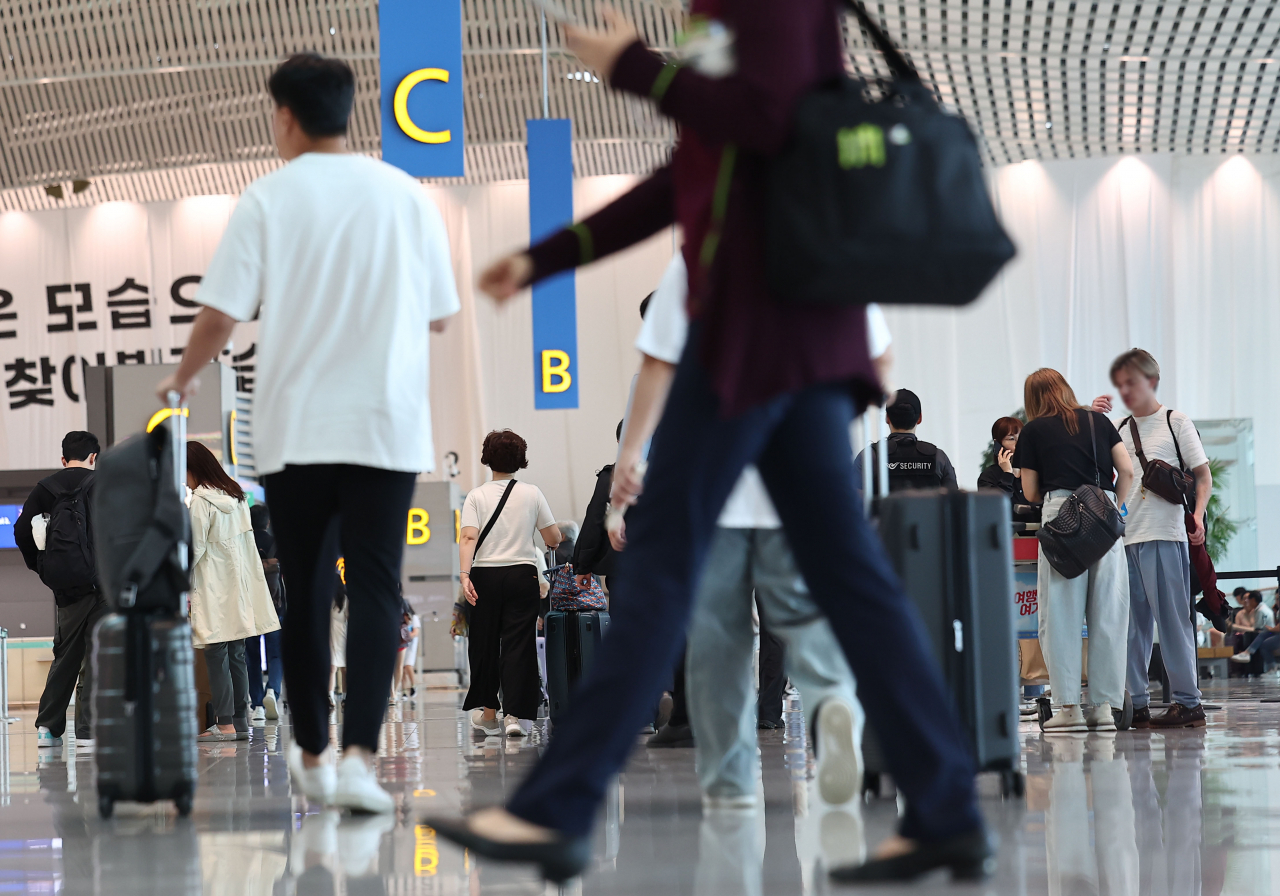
(1087, 524)
(880, 200)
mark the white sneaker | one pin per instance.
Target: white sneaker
(490, 727)
(258, 715)
(514, 728)
(316, 784)
(1101, 718)
(1243, 656)
(359, 840)
(85, 743)
(839, 763)
(317, 837)
(269, 705)
(45, 738)
(358, 788)
(1067, 720)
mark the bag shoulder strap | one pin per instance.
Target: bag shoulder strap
(1137, 443)
(1168, 421)
(493, 519)
(1093, 450)
(892, 55)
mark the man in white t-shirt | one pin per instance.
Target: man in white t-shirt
(749, 554)
(1156, 542)
(345, 262)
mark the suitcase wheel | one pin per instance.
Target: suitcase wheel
(106, 805)
(1124, 716)
(1012, 783)
(183, 802)
(1045, 709)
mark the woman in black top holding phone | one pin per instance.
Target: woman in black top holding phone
(1062, 447)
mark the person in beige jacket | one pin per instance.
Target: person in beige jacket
(230, 600)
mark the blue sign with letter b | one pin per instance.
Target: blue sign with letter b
(421, 71)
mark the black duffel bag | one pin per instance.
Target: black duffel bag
(1087, 525)
(880, 201)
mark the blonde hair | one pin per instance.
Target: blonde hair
(1047, 394)
(1140, 360)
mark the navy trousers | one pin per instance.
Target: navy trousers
(800, 443)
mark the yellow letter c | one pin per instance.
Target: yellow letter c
(401, 105)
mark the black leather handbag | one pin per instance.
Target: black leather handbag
(1087, 524)
(1162, 478)
(880, 200)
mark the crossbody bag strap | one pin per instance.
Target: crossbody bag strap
(898, 63)
(1137, 444)
(1168, 421)
(493, 519)
(1093, 450)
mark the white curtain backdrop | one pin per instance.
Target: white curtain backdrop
(1174, 254)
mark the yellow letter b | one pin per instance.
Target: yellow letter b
(555, 364)
(418, 532)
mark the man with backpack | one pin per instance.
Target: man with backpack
(54, 533)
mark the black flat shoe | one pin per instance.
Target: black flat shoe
(769, 724)
(967, 856)
(559, 861)
(672, 736)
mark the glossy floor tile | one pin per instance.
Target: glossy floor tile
(1186, 812)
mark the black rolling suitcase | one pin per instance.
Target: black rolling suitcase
(573, 639)
(144, 696)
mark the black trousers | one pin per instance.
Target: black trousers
(320, 512)
(71, 663)
(773, 680)
(503, 647)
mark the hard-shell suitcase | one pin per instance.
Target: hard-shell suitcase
(954, 553)
(144, 695)
(572, 641)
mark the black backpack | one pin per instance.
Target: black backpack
(880, 200)
(66, 565)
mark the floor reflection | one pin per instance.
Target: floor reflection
(1188, 813)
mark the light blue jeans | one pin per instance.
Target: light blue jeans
(720, 685)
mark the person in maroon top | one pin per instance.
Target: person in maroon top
(760, 382)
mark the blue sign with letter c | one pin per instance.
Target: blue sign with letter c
(421, 71)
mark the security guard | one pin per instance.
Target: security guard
(912, 463)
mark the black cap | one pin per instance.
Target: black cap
(904, 413)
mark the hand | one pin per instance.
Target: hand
(599, 50)
(506, 277)
(1102, 404)
(628, 481)
(583, 581)
(1197, 536)
(469, 591)
(618, 535)
(1004, 457)
(171, 384)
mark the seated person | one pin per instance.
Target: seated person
(1267, 633)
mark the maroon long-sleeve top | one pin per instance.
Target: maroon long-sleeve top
(752, 346)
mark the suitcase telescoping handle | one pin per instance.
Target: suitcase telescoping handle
(178, 442)
(874, 481)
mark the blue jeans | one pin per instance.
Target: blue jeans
(1267, 642)
(275, 667)
(800, 442)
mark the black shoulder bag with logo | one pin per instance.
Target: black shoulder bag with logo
(1162, 478)
(1087, 524)
(880, 200)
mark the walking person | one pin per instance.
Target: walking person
(759, 381)
(1062, 447)
(60, 506)
(230, 601)
(1156, 536)
(500, 580)
(344, 260)
(263, 700)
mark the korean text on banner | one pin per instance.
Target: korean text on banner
(555, 313)
(421, 70)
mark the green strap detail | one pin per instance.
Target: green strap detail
(719, 204)
(663, 82)
(586, 243)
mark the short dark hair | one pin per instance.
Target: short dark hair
(1003, 427)
(208, 472)
(504, 451)
(1240, 591)
(318, 90)
(78, 445)
(904, 413)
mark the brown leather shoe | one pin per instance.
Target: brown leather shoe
(1141, 718)
(1179, 716)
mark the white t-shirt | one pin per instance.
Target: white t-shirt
(347, 260)
(510, 541)
(1152, 518)
(1263, 618)
(663, 335)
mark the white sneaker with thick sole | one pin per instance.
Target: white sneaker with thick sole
(1067, 720)
(1101, 718)
(45, 738)
(358, 788)
(839, 765)
(269, 705)
(258, 715)
(489, 727)
(514, 728)
(1243, 656)
(316, 784)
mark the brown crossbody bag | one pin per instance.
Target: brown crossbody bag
(1172, 483)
